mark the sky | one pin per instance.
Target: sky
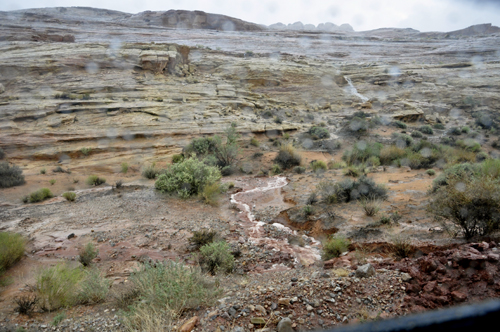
(423, 15)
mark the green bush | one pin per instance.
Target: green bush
(399, 124)
(361, 152)
(358, 125)
(39, 195)
(210, 193)
(469, 144)
(464, 170)
(57, 286)
(373, 161)
(299, 169)
(370, 206)
(58, 318)
(391, 153)
(94, 288)
(308, 210)
(52, 182)
(465, 129)
(334, 247)
(216, 257)
(336, 164)
(200, 146)
(439, 126)
(348, 190)
(150, 172)
(226, 148)
(318, 165)
(11, 249)
(327, 191)
(276, 169)
(43, 171)
(319, 132)
(354, 171)
(287, 156)
(417, 134)
(402, 140)
(430, 172)
(187, 178)
(455, 131)
(70, 196)
(124, 167)
(94, 180)
(10, 176)
(401, 246)
(87, 254)
(177, 158)
(164, 291)
(203, 237)
(86, 151)
(472, 203)
(491, 168)
(481, 156)
(426, 130)
(254, 142)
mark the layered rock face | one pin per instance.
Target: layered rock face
(148, 90)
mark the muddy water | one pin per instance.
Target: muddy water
(268, 191)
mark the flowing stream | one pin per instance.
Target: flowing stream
(306, 255)
(353, 90)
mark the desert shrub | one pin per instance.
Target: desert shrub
(25, 304)
(401, 246)
(94, 180)
(94, 288)
(52, 182)
(70, 196)
(125, 296)
(203, 237)
(276, 169)
(426, 130)
(358, 125)
(465, 129)
(469, 144)
(257, 155)
(200, 146)
(312, 199)
(439, 126)
(399, 124)
(327, 191)
(471, 203)
(124, 167)
(334, 247)
(336, 164)
(216, 257)
(227, 170)
(187, 178)
(2, 154)
(490, 167)
(10, 176)
(118, 184)
(417, 134)
(484, 121)
(57, 286)
(373, 161)
(370, 206)
(402, 140)
(308, 210)
(151, 171)
(299, 169)
(58, 318)
(166, 290)
(481, 156)
(86, 151)
(287, 156)
(319, 132)
(87, 254)
(177, 158)
(331, 145)
(277, 119)
(361, 152)
(430, 172)
(40, 195)
(254, 142)
(226, 148)
(43, 171)
(354, 171)
(396, 216)
(318, 165)
(459, 170)
(456, 155)
(455, 131)
(385, 220)
(210, 193)
(348, 190)
(11, 249)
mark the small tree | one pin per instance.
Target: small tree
(472, 203)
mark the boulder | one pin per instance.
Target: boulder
(365, 271)
(285, 325)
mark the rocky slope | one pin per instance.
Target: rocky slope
(89, 89)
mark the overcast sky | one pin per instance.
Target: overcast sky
(423, 15)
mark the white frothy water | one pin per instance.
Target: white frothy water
(353, 90)
(302, 255)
